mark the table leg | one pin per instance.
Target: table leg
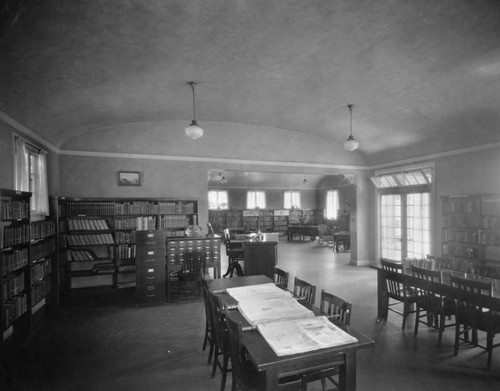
(347, 373)
(272, 380)
(382, 297)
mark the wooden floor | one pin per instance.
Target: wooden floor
(110, 344)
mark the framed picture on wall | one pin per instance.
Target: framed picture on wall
(129, 178)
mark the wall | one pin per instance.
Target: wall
(472, 172)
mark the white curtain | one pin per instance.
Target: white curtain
(41, 186)
(21, 165)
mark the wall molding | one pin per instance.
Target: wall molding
(21, 128)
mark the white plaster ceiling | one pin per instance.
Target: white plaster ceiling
(424, 76)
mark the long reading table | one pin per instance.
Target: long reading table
(276, 366)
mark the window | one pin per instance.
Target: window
(256, 199)
(30, 168)
(332, 204)
(405, 209)
(217, 199)
(291, 200)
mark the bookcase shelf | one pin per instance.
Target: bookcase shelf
(27, 256)
(97, 237)
(469, 228)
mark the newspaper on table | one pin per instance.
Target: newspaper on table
(267, 302)
(293, 336)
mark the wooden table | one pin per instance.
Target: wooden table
(443, 288)
(302, 231)
(265, 359)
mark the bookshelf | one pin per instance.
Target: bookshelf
(15, 262)
(98, 236)
(218, 220)
(470, 228)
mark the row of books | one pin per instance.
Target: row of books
(489, 238)
(177, 207)
(40, 270)
(15, 234)
(491, 222)
(12, 285)
(468, 221)
(461, 251)
(461, 205)
(13, 260)
(125, 237)
(13, 309)
(42, 229)
(175, 234)
(173, 221)
(80, 255)
(460, 236)
(126, 268)
(40, 290)
(126, 251)
(89, 240)
(14, 209)
(90, 208)
(87, 224)
(43, 249)
(136, 208)
(140, 223)
(110, 208)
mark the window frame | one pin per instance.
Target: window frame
(254, 194)
(293, 202)
(220, 205)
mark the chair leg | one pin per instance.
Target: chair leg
(216, 360)
(205, 340)
(489, 347)
(457, 338)
(224, 372)
(417, 321)
(441, 328)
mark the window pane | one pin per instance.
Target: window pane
(418, 226)
(291, 199)
(217, 199)
(332, 204)
(391, 226)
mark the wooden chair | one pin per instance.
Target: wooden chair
(235, 253)
(436, 307)
(221, 347)
(398, 291)
(304, 291)
(473, 315)
(281, 278)
(339, 311)
(209, 332)
(191, 274)
(244, 375)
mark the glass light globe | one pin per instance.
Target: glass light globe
(193, 131)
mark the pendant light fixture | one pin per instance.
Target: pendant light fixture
(351, 143)
(193, 131)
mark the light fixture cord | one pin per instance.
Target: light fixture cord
(350, 110)
(194, 104)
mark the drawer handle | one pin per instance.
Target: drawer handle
(151, 288)
(151, 253)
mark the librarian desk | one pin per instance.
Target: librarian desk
(444, 288)
(265, 359)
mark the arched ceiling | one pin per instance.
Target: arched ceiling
(423, 76)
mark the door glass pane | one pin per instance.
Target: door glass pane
(417, 225)
(391, 226)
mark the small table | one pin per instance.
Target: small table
(342, 241)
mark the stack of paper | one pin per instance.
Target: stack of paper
(303, 335)
(255, 292)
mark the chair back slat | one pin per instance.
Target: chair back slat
(304, 291)
(334, 307)
(281, 278)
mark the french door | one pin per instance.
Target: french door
(405, 225)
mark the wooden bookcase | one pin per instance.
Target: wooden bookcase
(98, 236)
(471, 229)
(27, 258)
